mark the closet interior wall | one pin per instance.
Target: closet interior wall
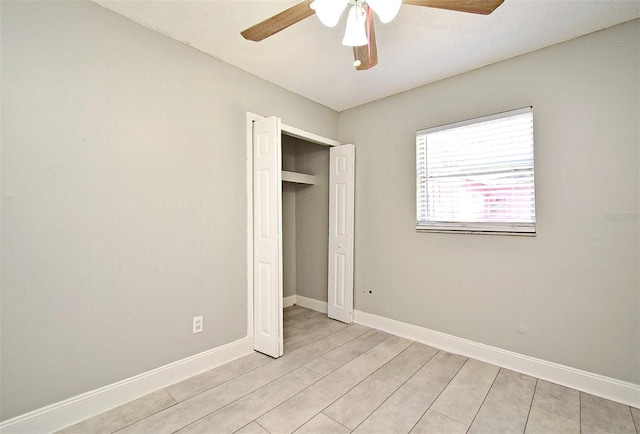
(305, 220)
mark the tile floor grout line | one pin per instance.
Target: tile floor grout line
(317, 339)
(632, 419)
(356, 385)
(312, 320)
(260, 425)
(175, 402)
(251, 370)
(413, 342)
(441, 392)
(533, 396)
(323, 377)
(167, 387)
(445, 388)
(275, 379)
(243, 427)
(403, 383)
(322, 412)
(580, 413)
(483, 400)
(219, 384)
(296, 394)
(330, 334)
(339, 346)
(253, 391)
(352, 339)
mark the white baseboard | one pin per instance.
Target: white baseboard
(311, 303)
(595, 384)
(288, 301)
(70, 411)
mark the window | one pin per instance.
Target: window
(477, 175)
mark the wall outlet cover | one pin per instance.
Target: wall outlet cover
(198, 324)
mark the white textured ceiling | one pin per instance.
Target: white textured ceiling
(420, 46)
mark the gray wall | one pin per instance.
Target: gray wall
(123, 198)
(569, 295)
(288, 219)
(305, 220)
(312, 222)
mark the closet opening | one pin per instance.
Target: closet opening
(305, 225)
(300, 227)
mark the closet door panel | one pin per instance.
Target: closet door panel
(267, 243)
(341, 232)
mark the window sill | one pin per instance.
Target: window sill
(476, 231)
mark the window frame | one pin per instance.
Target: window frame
(488, 228)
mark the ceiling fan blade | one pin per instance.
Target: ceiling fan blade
(281, 21)
(367, 54)
(483, 7)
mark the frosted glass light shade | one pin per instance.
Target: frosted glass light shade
(356, 34)
(329, 11)
(385, 9)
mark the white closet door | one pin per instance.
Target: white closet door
(267, 243)
(341, 216)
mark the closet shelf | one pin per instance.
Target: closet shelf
(298, 178)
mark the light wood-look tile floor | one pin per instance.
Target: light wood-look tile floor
(338, 378)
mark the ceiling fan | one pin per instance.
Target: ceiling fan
(360, 33)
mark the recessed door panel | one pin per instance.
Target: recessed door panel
(341, 210)
(340, 279)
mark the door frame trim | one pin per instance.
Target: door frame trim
(289, 131)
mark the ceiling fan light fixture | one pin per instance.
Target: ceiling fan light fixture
(385, 9)
(329, 11)
(355, 34)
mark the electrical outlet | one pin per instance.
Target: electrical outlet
(198, 324)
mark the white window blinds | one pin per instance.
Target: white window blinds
(477, 175)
